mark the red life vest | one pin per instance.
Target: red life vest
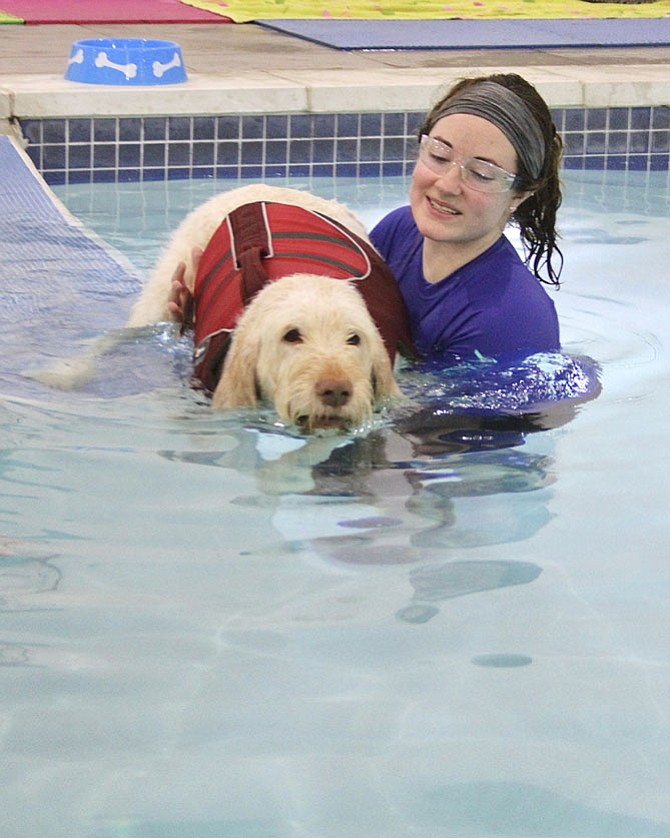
(260, 242)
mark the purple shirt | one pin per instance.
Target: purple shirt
(493, 305)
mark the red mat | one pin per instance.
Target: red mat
(108, 11)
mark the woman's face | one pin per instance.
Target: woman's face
(445, 208)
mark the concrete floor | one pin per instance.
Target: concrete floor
(220, 49)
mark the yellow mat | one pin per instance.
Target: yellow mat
(7, 18)
(243, 11)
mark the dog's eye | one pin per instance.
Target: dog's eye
(293, 336)
(354, 340)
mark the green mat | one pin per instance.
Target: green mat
(5, 18)
(243, 11)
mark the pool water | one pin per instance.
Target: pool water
(209, 627)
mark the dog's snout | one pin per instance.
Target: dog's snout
(334, 392)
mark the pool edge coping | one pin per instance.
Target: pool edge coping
(326, 91)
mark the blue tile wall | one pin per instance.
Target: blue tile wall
(344, 144)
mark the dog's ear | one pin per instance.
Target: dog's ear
(382, 371)
(238, 386)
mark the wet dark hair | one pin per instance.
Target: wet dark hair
(536, 216)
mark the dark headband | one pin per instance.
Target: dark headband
(508, 112)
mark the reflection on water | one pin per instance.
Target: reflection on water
(406, 493)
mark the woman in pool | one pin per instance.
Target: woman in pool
(488, 156)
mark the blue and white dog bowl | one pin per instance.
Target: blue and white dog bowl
(125, 61)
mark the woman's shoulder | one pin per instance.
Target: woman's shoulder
(503, 263)
(503, 288)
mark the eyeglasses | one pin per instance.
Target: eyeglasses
(477, 174)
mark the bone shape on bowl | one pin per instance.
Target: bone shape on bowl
(160, 69)
(129, 70)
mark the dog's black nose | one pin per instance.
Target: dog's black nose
(334, 392)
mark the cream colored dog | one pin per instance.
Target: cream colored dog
(305, 343)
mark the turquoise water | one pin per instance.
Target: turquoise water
(211, 628)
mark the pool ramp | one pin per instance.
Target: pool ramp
(60, 284)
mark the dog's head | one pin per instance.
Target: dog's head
(308, 345)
